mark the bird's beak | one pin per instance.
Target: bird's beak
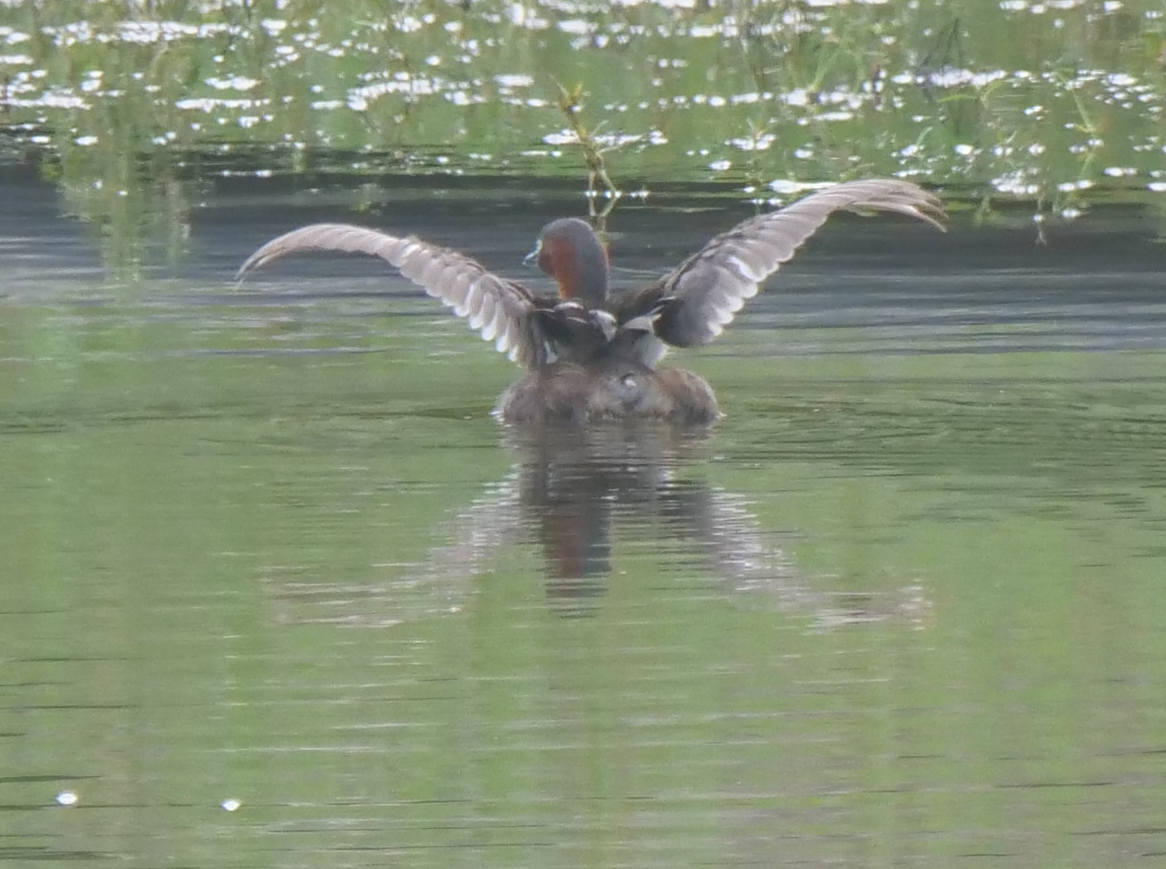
(531, 259)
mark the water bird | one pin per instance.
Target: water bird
(592, 353)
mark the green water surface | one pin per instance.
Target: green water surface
(211, 594)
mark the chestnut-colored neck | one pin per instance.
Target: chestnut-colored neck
(570, 252)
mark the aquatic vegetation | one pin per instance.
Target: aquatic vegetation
(1054, 102)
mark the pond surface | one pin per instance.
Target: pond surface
(276, 590)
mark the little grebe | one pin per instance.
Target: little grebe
(591, 354)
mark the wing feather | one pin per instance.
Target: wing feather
(501, 310)
(700, 297)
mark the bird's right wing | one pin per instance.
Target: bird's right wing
(694, 303)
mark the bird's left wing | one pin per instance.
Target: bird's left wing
(500, 309)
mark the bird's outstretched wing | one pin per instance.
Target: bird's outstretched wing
(693, 304)
(500, 309)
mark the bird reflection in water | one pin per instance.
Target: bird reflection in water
(572, 492)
